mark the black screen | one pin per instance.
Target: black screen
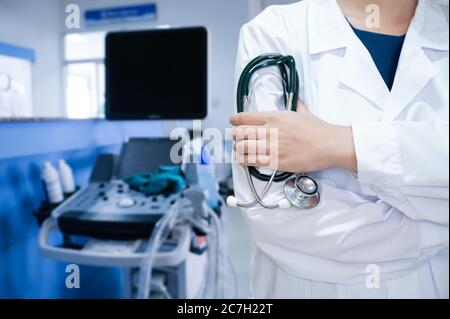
(144, 155)
(157, 74)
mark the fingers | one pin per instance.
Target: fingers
(260, 118)
(244, 132)
(247, 147)
(254, 160)
(255, 153)
(252, 118)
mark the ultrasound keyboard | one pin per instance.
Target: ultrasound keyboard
(111, 210)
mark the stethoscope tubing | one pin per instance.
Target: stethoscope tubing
(290, 82)
(286, 64)
(258, 198)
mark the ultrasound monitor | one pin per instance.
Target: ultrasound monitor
(157, 74)
(145, 155)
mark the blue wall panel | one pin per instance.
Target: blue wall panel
(24, 273)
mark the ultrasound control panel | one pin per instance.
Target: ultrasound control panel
(111, 210)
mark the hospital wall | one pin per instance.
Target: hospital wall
(35, 25)
(40, 25)
(223, 20)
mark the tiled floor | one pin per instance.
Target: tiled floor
(237, 243)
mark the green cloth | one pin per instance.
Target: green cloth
(166, 180)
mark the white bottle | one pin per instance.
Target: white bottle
(52, 184)
(207, 179)
(66, 176)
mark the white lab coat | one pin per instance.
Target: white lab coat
(393, 216)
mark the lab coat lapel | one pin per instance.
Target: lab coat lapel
(414, 71)
(429, 30)
(360, 74)
(329, 31)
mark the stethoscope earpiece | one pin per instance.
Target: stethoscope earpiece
(232, 201)
(285, 204)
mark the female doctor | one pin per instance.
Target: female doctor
(374, 134)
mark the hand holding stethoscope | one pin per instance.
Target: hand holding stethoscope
(300, 191)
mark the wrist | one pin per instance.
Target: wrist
(343, 148)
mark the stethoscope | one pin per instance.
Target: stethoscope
(301, 191)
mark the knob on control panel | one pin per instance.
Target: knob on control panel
(126, 203)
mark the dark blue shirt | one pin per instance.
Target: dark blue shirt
(385, 51)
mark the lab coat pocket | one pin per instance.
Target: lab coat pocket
(344, 227)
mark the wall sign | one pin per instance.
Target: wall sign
(120, 14)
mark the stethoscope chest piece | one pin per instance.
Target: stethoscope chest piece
(302, 191)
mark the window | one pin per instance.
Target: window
(84, 71)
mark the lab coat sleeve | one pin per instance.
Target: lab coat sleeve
(345, 227)
(406, 164)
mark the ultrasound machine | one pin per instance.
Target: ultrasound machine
(169, 244)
